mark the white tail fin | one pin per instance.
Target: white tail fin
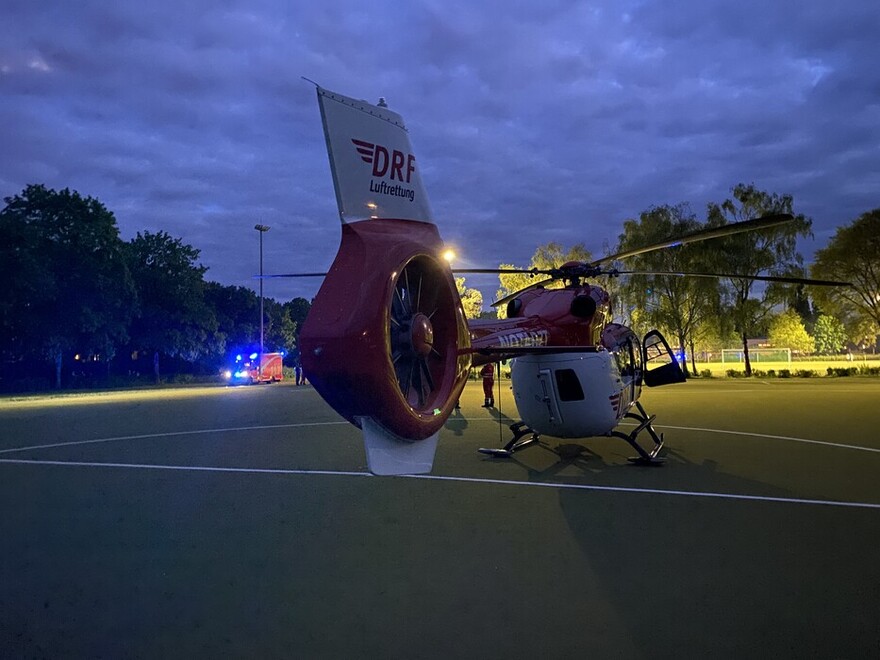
(374, 170)
(389, 455)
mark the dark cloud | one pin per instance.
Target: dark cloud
(534, 121)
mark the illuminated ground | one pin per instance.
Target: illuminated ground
(218, 522)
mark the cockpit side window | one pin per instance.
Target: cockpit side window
(568, 385)
(625, 359)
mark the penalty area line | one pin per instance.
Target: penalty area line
(472, 480)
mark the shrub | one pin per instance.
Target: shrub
(785, 373)
(706, 373)
(805, 373)
(758, 373)
(734, 373)
(771, 373)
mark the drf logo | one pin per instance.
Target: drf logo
(382, 161)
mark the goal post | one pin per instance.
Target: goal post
(737, 355)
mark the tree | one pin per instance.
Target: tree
(471, 299)
(787, 331)
(709, 335)
(863, 332)
(66, 284)
(852, 255)
(829, 335)
(551, 255)
(174, 317)
(280, 330)
(669, 302)
(770, 251)
(299, 311)
(237, 310)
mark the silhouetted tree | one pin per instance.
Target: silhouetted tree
(237, 310)
(174, 318)
(852, 255)
(66, 286)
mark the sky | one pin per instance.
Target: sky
(532, 121)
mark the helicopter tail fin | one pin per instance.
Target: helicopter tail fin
(375, 173)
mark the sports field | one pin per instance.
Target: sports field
(819, 366)
(218, 522)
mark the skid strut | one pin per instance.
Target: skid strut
(520, 430)
(645, 457)
(644, 424)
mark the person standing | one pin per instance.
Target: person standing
(297, 368)
(488, 374)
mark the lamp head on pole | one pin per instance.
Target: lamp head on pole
(261, 228)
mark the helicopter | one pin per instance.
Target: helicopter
(386, 342)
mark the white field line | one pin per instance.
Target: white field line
(772, 437)
(148, 436)
(473, 480)
(171, 434)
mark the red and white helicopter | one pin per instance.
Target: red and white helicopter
(386, 342)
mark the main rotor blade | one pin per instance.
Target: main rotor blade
(269, 277)
(758, 278)
(496, 271)
(702, 235)
(509, 297)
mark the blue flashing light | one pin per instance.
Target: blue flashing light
(254, 356)
(238, 358)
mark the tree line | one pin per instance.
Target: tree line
(704, 313)
(77, 299)
(78, 302)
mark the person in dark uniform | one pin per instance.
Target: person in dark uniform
(297, 368)
(488, 374)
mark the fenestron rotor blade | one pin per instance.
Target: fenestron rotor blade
(732, 276)
(704, 234)
(508, 298)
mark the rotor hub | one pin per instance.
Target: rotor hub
(421, 334)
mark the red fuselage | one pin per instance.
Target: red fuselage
(573, 316)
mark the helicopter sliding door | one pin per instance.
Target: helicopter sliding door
(661, 367)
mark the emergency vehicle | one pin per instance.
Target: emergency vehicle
(256, 368)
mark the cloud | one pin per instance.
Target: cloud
(533, 121)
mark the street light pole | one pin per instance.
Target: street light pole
(262, 229)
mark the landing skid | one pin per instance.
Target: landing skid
(520, 441)
(645, 457)
(520, 430)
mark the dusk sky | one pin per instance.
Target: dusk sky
(531, 121)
